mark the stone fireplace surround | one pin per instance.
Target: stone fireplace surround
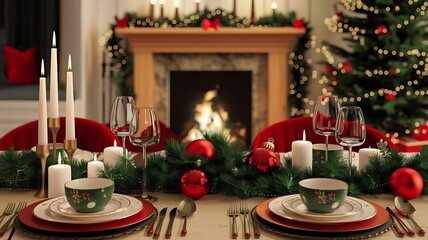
(156, 51)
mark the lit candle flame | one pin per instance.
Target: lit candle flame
(95, 157)
(43, 68)
(304, 135)
(115, 144)
(59, 159)
(54, 40)
(153, 2)
(69, 62)
(176, 3)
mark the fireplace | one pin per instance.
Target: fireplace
(210, 101)
(272, 43)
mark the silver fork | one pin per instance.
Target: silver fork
(255, 226)
(244, 210)
(4, 228)
(7, 211)
(232, 212)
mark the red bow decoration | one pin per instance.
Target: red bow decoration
(122, 23)
(206, 23)
(299, 23)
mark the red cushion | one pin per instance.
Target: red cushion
(21, 67)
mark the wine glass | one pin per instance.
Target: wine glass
(350, 129)
(324, 118)
(144, 131)
(120, 118)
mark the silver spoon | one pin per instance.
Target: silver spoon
(186, 208)
(405, 208)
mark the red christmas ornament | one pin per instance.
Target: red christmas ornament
(347, 67)
(339, 15)
(264, 159)
(406, 182)
(122, 23)
(201, 147)
(194, 184)
(328, 69)
(381, 30)
(299, 23)
(389, 97)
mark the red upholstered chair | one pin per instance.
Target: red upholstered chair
(287, 131)
(165, 134)
(91, 136)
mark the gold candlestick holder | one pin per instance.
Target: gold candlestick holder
(70, 146)
(54, 124)
(42, 152)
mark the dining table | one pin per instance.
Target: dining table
(211, 220)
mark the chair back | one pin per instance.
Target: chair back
(165, 134)
(287, 131)
(91, 136)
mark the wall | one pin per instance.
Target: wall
(83, 22)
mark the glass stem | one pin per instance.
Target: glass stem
(350, 159)
(123, 145)
(144, 194)
(326, 147)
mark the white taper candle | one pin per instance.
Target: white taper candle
(53, 107)
(69, 105)
(43, 121)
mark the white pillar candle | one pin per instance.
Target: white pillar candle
(301, 153)
(58, 175)
(365, 154)
(53, 107)
(69, 105)
(43, 121)
(95, 167)
(112, 155)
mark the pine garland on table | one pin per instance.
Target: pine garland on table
(228, 172)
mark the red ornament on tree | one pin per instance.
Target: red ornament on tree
(347, 67)
(299, 23)
(264, 159)
(194, 184)
(201, 147)
(339, 15)
(407, 183)
(328, 69)
(389, 97)
(381, 30)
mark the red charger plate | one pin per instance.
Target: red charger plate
(27, 218)
(380, 218)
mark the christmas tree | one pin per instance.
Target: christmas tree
(383, 65)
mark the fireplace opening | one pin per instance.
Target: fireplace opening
(211, 101)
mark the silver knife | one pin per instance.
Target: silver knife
(171, 222)
(159, 225)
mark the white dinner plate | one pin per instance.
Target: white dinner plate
(295, 204)
(78, 154)
(367, 211)
(43, 212)
(117, 204)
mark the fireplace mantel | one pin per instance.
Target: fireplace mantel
(275, 42)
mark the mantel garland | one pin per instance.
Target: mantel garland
(301, 70)
(227, 172)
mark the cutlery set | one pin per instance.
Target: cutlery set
(407, 229)
(161, 218)
(9, 211)
(233, 212)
